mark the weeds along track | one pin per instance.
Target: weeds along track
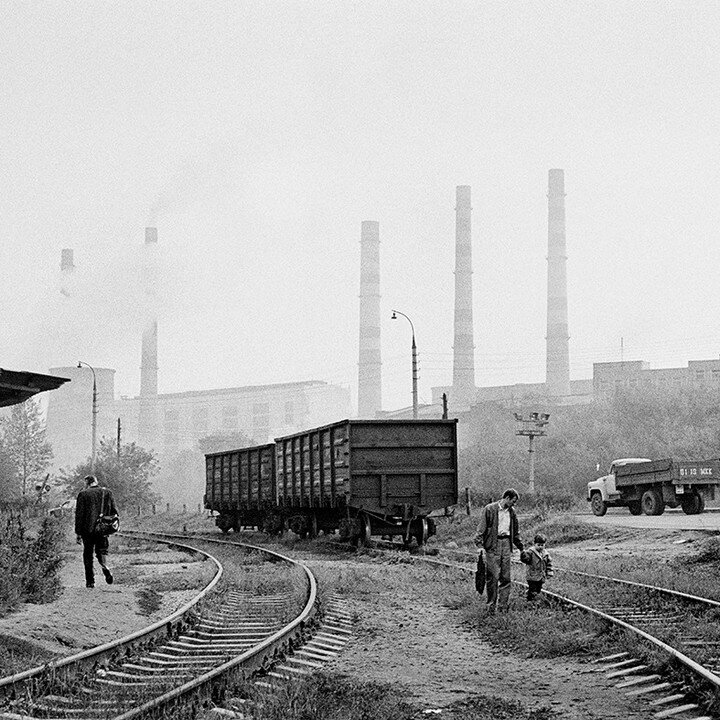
(263, 608)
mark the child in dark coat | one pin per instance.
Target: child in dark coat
(539, 566)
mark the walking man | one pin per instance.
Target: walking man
(91, 502)
(496, 535)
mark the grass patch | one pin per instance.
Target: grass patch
(331, 697)
(708, 552)
(492, 707)
(563, 529)
(559, 529)
(148, 600)
(17, 655)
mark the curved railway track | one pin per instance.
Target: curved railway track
(188, 657)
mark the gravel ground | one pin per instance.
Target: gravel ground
(407, 633)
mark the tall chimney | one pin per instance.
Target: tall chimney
(369, 364)
(463, 387)
(66, 260)
(557, 378)
(67, 268)
(147, 415)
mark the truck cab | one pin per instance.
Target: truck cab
(602, 493)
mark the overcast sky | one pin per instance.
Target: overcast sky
(258, 136)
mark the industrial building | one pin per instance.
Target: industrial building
(172, 424)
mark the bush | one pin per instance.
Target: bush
(29, 566)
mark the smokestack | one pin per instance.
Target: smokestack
(66, 260)
(463, 387)
(557, 378)
(151, 235)
(148, 362)
(369, 364)
(67, 268)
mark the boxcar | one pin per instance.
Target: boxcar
(240, 486)
(368, 477)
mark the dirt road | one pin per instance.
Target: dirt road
(670, 520)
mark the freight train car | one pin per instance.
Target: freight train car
(356, 477)
(240, 486)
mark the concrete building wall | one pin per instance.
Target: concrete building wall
(261, 412)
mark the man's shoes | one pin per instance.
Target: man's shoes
(108, 576)
(89, 585)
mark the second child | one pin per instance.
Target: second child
(539, 566)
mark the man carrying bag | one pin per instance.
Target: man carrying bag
(95, 503)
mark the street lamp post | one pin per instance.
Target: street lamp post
(94, 413)
(395, 313)
(532, 426)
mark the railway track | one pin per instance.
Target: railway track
(192, 656)
(681, 626)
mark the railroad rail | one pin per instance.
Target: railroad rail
(184, 658)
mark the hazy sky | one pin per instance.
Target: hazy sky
(258, 136)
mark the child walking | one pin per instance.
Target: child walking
(539, 566)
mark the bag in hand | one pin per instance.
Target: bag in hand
(480, 574)
(106, 524)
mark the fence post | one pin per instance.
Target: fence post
(153, 508)
(467, 500)
(167, 508)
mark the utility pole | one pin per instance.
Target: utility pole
(94, 413)
(532, 426)
(118, 441)
(395, 313)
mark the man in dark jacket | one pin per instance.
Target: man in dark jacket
(91, 503)
(496, 534)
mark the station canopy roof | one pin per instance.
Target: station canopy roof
(17, 386)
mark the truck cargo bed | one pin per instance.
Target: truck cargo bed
(677, 472)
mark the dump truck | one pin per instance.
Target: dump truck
(649, 486)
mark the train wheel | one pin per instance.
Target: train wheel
(423, 532)
(364, 530)
(635, 507)
(224, 522)
(652, 502)
(312, 526)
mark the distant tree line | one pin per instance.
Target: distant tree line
(678, 422)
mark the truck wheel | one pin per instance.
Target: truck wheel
(692, 504)
(597, 504)
(652, 502)
(635, 507)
